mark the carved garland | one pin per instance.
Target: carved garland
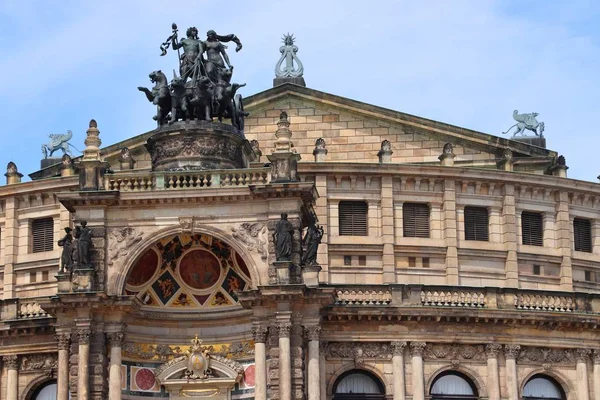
(37, 362)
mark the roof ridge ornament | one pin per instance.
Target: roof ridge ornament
(526, 121)
(289, 73)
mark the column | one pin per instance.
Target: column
(511, 352)
(64, 340)
(450, 231)
(492, 350)
(596, 359)
(260, 359)
(323, 369)
(583, 390)
(83, 374)
(115, 339)
(416, 352)
(285, 361)
(387, 218)
(509, 221)
(398, 369)
(12, 378)
(563, 230)
(314, 385)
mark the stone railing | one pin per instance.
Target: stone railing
(142, 181)
(364, 296)
(30, 309)
(466, 297)
(453, 298)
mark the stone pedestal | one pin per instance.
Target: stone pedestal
(447, 159)
(83, 280)
(310, 275)
(198, 145)
(296, 81)
(64, 282)
(48, 162)
(283, 271)
(385, 154)
(320, 151)
(538, 141)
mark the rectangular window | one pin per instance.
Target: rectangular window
(588, 276)
(32, 277)
(362, 260)
(476, 224)
(532, 228)
(536, 269)
(42, 232)
(582, 232)
(347, 260)
(45, 275)
(353, 218)
(425, 262)
(415, 218)
(412, 262)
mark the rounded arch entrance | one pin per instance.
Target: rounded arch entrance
(183, 270)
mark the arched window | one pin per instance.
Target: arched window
(358, 385)
(47, 391)
(453, 385)
(543, 387)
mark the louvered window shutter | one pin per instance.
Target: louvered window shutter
(532, 228)
(415, 218)
(582, 231)
(42, 231)
(353, 218)
(476, 224)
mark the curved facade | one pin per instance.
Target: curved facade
(454, 264)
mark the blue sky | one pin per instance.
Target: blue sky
(468, 63)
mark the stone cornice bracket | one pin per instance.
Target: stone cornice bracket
(492, 350)
(417, 348)
(115, 339)
(511, 351)
(284, 329)
(64, 340)
(313, 332)
(11, 361)
(84, 336)
(398, 348)
(582, 355)
(259, 332)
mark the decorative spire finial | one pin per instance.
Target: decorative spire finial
(289, 68)
(92, 142)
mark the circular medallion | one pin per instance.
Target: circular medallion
(144, 379)
(199, 269)
(249, 375)
(144, 269)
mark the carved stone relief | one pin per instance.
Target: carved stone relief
(121, 241)
(37, 362)
(253, 236)
(435, 351)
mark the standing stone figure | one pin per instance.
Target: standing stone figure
(215, 54)
(312, 239)
(66, 258)
(192, 52)
(284, 231)
(84, 244)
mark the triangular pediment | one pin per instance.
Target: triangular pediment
(353, 131)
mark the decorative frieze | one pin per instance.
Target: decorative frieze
(544, 355)
(164, 352)
(359, 349)
(582, 355)
(39, 362)
(439, 351)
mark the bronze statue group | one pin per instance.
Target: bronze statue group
(203, 89)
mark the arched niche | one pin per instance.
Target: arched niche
(224, 375)
(117, 276)
(185, 272)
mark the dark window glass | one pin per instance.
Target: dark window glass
(582, 232)
(476, 223)
(42, 231)
(532, 228)
(415, 220)
(353, 218)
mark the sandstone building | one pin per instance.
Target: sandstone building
(454, 265)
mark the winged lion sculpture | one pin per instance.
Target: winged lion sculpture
(527, 121)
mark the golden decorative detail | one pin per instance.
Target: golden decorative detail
(162, 352)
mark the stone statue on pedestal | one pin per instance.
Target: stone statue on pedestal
(312, 239)
(284, 232)
(84, 244)
(66, 258)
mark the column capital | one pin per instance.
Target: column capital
(511, 351)
(417, 348)
(11, 361)
(596, 356)
(284, 329)
(313, 332)
(84, 336)
(259, 332)
(582, 355)
(64, 340)
(492, 350)
(115, 339)
(398, 347)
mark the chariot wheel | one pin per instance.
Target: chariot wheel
(238, 112)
